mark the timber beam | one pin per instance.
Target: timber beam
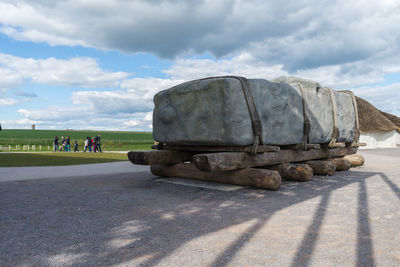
(149, 157)
(228, 161)
(261, 178)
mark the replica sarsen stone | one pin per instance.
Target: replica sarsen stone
(214, 111)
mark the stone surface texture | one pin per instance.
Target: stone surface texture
(214, 112)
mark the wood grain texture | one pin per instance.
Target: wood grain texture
(267, 179)
(322, 167)
(341, 163)
(227, 161)
(355, 160)
(294, 171)
(159, 157)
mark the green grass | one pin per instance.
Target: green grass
(111, 140)
(57, 158)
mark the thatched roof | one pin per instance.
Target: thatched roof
(372, 119)
(393, 118)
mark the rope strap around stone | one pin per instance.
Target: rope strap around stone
(335, 131)
(307, 125)
(254, 116)
(356, 141)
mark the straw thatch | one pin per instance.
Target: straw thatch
(371, 119)
(393, 118)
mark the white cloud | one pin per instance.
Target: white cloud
(78, 117)
(111, 102)
(349, 75)
(9, 78)
(131, 123)
(136, 95)
(24, 22)
(299, 35)
(146, 88)
(130, 106)
(385, 98)
(242, 65)
(78, 71)
(148, 116)
(8, 101)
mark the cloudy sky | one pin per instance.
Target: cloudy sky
(96, 64)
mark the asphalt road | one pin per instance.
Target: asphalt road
(128, 217)
(33, 173)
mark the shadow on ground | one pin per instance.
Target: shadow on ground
(132, 219)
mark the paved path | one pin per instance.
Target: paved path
(29, 173)
(134, 219)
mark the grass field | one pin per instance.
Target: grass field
(110, 140)
(57, 159)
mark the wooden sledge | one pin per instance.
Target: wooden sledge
(235, 165)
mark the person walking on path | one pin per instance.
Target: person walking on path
(97, 142)
(62, 144)
(90, 144)
(86, 144)
(94, 144)
(76, 149)
(68, 144)
(55, 144)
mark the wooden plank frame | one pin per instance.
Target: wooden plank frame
(227, 161)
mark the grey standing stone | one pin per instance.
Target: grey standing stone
(214, 111)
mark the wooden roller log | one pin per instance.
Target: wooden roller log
(294, 172)
(341, 164)
(261, 178)
(322, 167)
(227, 161)
(355, 160)
(159, 157)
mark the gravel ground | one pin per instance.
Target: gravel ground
(131, 218)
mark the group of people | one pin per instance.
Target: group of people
(92, 144)
(64, 144)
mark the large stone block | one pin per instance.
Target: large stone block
(214, 111)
